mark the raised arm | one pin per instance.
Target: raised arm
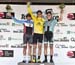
(18, 21)
(61, 15)
(30, 11)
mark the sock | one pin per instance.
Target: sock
(34, 57)
(51, 56)
(45, 57)
(29, 58)
(24, 57)
(38, 57)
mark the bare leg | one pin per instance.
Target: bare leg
(24, 50)
(51, 53)
(51, 49)
(34, 53)
(29, 52)
(24, 53)
(29, 49)
(45, 49)
(45, 52)
(34, 49)
(39, 49)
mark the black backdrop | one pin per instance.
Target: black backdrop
(38, 1)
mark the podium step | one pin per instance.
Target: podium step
(20, 63)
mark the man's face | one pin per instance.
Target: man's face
(28, 18)
(49, 16)
(39, 14)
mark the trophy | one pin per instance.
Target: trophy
(61, 6)
(9, 10)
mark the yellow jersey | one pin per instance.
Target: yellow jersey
(38, 22)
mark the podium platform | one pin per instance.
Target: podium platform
(20, 63)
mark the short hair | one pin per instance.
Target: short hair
(28, 15)
(49, 13)
(39, 11)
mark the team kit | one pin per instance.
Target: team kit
(38, 30)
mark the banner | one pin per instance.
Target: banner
(11, 35)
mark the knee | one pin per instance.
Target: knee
(40, 47)
(51, 47)
(34, 46)
(24, 47)
(45, 46)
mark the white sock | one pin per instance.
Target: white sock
(29, 58)
(24, 57)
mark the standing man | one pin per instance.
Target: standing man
(27, 36)
(38, 31)
(48, 32)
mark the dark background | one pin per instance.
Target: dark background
(49, 2)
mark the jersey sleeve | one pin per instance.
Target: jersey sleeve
(31, 13)
(18, 21)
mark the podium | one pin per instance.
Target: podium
(20, 63)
